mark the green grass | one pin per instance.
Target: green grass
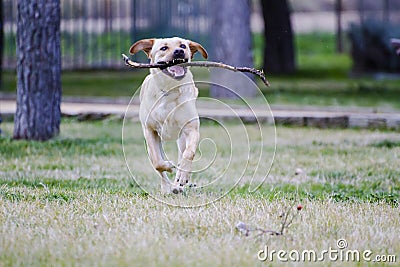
(102, 83)
(335, 93)
(71, 201)
(317, 51)
(322, 79)
(91, 83)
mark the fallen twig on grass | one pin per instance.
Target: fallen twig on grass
(286, 222)
(206, 64)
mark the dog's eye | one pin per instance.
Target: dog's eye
(164, 48)
(182, 46)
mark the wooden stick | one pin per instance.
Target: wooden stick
(206, 64)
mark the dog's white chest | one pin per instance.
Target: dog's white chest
(169, 112)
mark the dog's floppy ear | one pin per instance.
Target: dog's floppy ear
(194, 47)
(146, 45)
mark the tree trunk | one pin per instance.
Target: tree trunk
(1, 49)
(38, 70)
(279, 56)
(231, 45)
(339, 32)
(1, 42)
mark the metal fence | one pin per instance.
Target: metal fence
(96, 32)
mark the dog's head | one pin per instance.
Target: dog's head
(167, 50)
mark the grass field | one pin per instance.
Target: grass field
(71, 201)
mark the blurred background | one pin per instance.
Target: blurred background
(339, 52)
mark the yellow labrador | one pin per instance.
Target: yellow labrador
(167, 107)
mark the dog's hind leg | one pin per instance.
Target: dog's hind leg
(187, 145)
(166, 185)
(154, 150)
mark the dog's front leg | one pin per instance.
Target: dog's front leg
(154, 150)
(187, 149)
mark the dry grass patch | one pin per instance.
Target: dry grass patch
(129, 229)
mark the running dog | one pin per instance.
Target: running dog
(168, 107)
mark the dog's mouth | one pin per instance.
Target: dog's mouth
(172, 68)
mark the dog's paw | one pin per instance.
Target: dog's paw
(177, 189)
(165, 166)
(169, 188)
(181, 178)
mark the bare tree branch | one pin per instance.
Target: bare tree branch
(286, 222)
(206, 64)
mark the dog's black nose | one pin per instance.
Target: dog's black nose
(179, 53)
